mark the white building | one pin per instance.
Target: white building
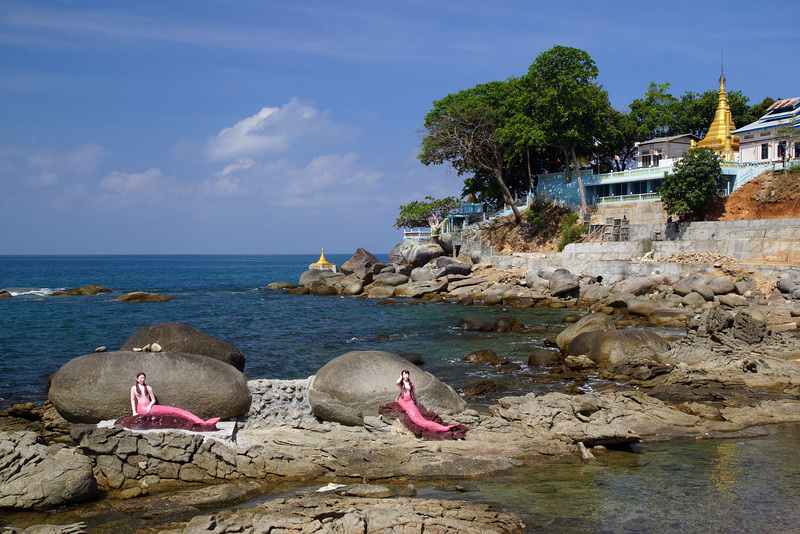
(757, 142)
(661, 151)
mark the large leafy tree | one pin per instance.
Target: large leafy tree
(464, 130)
(559, 104)
(695, 179)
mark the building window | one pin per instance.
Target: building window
(764, 151)
(765, 133)
(748, 136)
(782, 149)
(656, 159)
(645, 161)
(797, 150)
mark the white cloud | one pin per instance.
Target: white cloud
(325, 181)
(270, 131)
(123, 183)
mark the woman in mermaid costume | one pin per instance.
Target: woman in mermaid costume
(408, 401)
(143, 402)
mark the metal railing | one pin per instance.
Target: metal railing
(627, 198)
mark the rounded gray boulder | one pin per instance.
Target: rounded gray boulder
(181, 337)
(357, 383)
(97, 387)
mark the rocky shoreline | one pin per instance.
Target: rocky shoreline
(737, 367)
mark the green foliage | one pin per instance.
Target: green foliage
(537, 218)
(416, 213)
(695, 179)
(463, 130)
(571, 230)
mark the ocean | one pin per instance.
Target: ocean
(738, 485)
(282, 336)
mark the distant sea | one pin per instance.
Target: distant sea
(282, 336)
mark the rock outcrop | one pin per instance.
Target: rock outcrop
(354, 385)
(36, 476)
(96, 386)
(181, 337)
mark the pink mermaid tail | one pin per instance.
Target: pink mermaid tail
(413, 413)
(171, 410)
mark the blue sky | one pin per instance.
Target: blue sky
(261, 127)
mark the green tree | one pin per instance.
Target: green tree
(464, 130)
(695, 179)
(655, 115)
(559, 104)
(615, 148)
(416, 213)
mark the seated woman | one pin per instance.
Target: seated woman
(143, 402)
(408, 401)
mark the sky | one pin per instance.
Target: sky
(263, 127)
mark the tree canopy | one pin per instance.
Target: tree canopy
(464, 130)
(695, 179)
(416, 213)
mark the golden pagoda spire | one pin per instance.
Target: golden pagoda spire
(719, 137)
(322, 263)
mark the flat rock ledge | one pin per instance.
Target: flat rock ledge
(330, 514)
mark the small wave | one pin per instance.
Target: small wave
(35, 291)
(353, 340)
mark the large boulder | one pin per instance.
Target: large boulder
(636, 285)
(417, 254)
(362, 264)
(630, 352)
(96, 387)
(356, 384)
(37, 476)
(588, 323)
(562, 282)
(696, 282)
(181, 337)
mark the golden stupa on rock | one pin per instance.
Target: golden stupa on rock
(323, 264)
(719, 137)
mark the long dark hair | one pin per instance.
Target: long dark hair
(140, 373)
(410, 383)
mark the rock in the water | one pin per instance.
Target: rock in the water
(356, 384)
(143, 296)
(281, 285)
(544, 357)
(33, 476)
(97, 386)
(589, 323)
(476, 322)
(181, 337)
(630, 352)
(82, 291)
(485, 355)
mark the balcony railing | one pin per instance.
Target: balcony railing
(627, 198)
